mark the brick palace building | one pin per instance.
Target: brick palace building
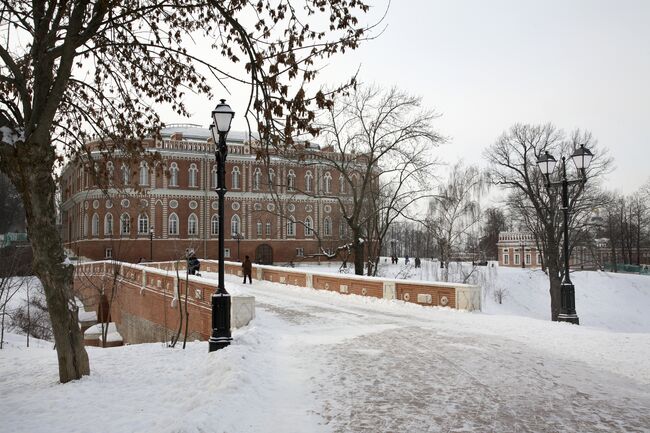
(158, 212)
(518, 249)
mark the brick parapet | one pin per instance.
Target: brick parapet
(150, 294)
(453, 295)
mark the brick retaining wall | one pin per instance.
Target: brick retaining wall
(143, 301)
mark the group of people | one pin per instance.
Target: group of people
(417, 262)
(194, 266)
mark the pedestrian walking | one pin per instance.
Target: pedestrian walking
(247, 266)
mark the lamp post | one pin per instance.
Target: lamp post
(546, 163)
(523, 254)
(222, 116)
(239, 237)
(151, 244)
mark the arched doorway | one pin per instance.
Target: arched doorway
(264, 254)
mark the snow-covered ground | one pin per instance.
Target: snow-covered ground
(316, 361)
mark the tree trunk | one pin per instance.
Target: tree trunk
(358, 254)
(555, 292)
(38, 189)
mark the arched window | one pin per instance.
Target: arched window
(95, 226)
(291, 226)
(125, 224)
(110, 171)
(126, 176)
(341, 229)
(236, 174)
(291, 180)
(327, 226)
(192, 225)
(144, 173)
(172, 224)
(256, 179)
(327, 181)
(86, 226)
(341, 184)
(259, 229)
(173, 174)
(193, 175)
(214, 225)
(268, 229)
(308, 181)
(108, 224)
(143, 224)
(234, 225)
(309, 226)
(215, 177)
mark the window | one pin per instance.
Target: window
(516, 259)
(539, 259)
(308, 181)
(327, 182)
(256, 179)
(95, 227)
(234, 225)
(108, 253)
(214, 225)
(341, 184)
(226, 252)
(291, 227)
(125, 224)
(126, 177)
(193, 174)
(85, 227)
(172, 224)
(268, 229)
(271, 178)
(143, 224)
(236, 174)
(309, 226)
(327, 226)
(259, 229)
(192, 225)
(173, 174)
(144, 173)
(300, 252)
(108, 224)
(527, 259)
(215, 177)
(291, 180)
(342, 229)
(110, 171)
(506, 259)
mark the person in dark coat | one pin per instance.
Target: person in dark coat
(247, 266)
(193, 264)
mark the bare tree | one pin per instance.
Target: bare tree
(455, 212)
(73, 69)
(513, 165)
(378, 151)
(495, 222)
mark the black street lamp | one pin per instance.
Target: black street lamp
(239, 237)
(151, 244)
(222, 115)
(546, 163)
(523, 254)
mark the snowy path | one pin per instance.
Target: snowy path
(379, 370)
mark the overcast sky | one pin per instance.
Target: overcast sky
(485, 65)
